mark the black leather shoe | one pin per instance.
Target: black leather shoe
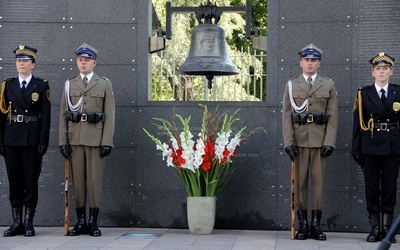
(28, 223)
(80, 227)
(303, 232)
(17, 228)
(374, 235)
(93, 228)
(28, 229)
(385, 231)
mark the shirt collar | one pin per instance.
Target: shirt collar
(378, 88)
(27, 80)
(312, 77)
(89, 76)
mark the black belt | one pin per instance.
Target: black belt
(385, 126)
(91, 117)
(24, 118)
(303, 118)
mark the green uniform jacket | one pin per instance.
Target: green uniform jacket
(97, 97)
(322, 98)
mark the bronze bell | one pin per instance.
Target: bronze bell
(208, 55)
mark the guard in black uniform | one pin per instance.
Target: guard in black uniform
(24, 137)
(376, 144)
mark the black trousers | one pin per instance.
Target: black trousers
(23, 169)
(380, 176)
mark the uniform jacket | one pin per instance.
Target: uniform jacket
(97, 97)
(35, 102)
(377, 142)
(322, 98)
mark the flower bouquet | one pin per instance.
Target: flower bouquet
(204, 163)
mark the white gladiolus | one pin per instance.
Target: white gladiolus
(235, 141)
(169, 159)
(164, 149)
(198, 154)
(220, 143)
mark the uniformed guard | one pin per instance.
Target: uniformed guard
(24, 137)
(309, 121)
(376, 144)
(88, 113)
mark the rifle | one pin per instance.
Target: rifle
(67, 183)
(67, 195)
(292, 204)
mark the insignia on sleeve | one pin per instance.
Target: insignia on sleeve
(48, 95)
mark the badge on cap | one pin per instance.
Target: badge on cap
(86, 50)
(310, 51)
(382, 59)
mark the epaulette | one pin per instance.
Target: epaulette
(10, 79)
(364, 87)
(41, 79)
(395, 85)
(105, 78)
(72, 77)
(294, 78)
(327, 78)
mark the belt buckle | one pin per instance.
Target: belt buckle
(20, 118)
(384, 126)
(83, 117)
(310, 118)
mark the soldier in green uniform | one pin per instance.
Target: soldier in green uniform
(310, 120)
(24, 137)
(88, 111)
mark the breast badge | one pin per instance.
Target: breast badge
(35, 96)
(396, 106)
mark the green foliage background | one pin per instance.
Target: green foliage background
(167, 62)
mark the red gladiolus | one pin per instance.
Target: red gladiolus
(177, 157)
(225, 154)
(206, 163)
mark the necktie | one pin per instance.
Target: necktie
(309, 82)
(23, 86)
(85, 81)
(383, 96)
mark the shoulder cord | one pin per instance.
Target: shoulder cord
(71, 107)
(361, 117)
(297, 109)
(3, 108)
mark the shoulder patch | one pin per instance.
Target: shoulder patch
(11, 78)
(48, 95)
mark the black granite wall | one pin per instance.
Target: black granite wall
(139, 191)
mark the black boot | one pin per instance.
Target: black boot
(315, 229)
(386, 224)
(375, 234)
(17, 228)
(303, 232)
(28, 223)
(93, 229)
(80, 227)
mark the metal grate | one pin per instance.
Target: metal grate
(249, 85)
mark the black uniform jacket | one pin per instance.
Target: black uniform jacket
(377, 141)
(34, 103)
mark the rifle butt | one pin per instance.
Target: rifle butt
(292, 200)
(67, 195)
